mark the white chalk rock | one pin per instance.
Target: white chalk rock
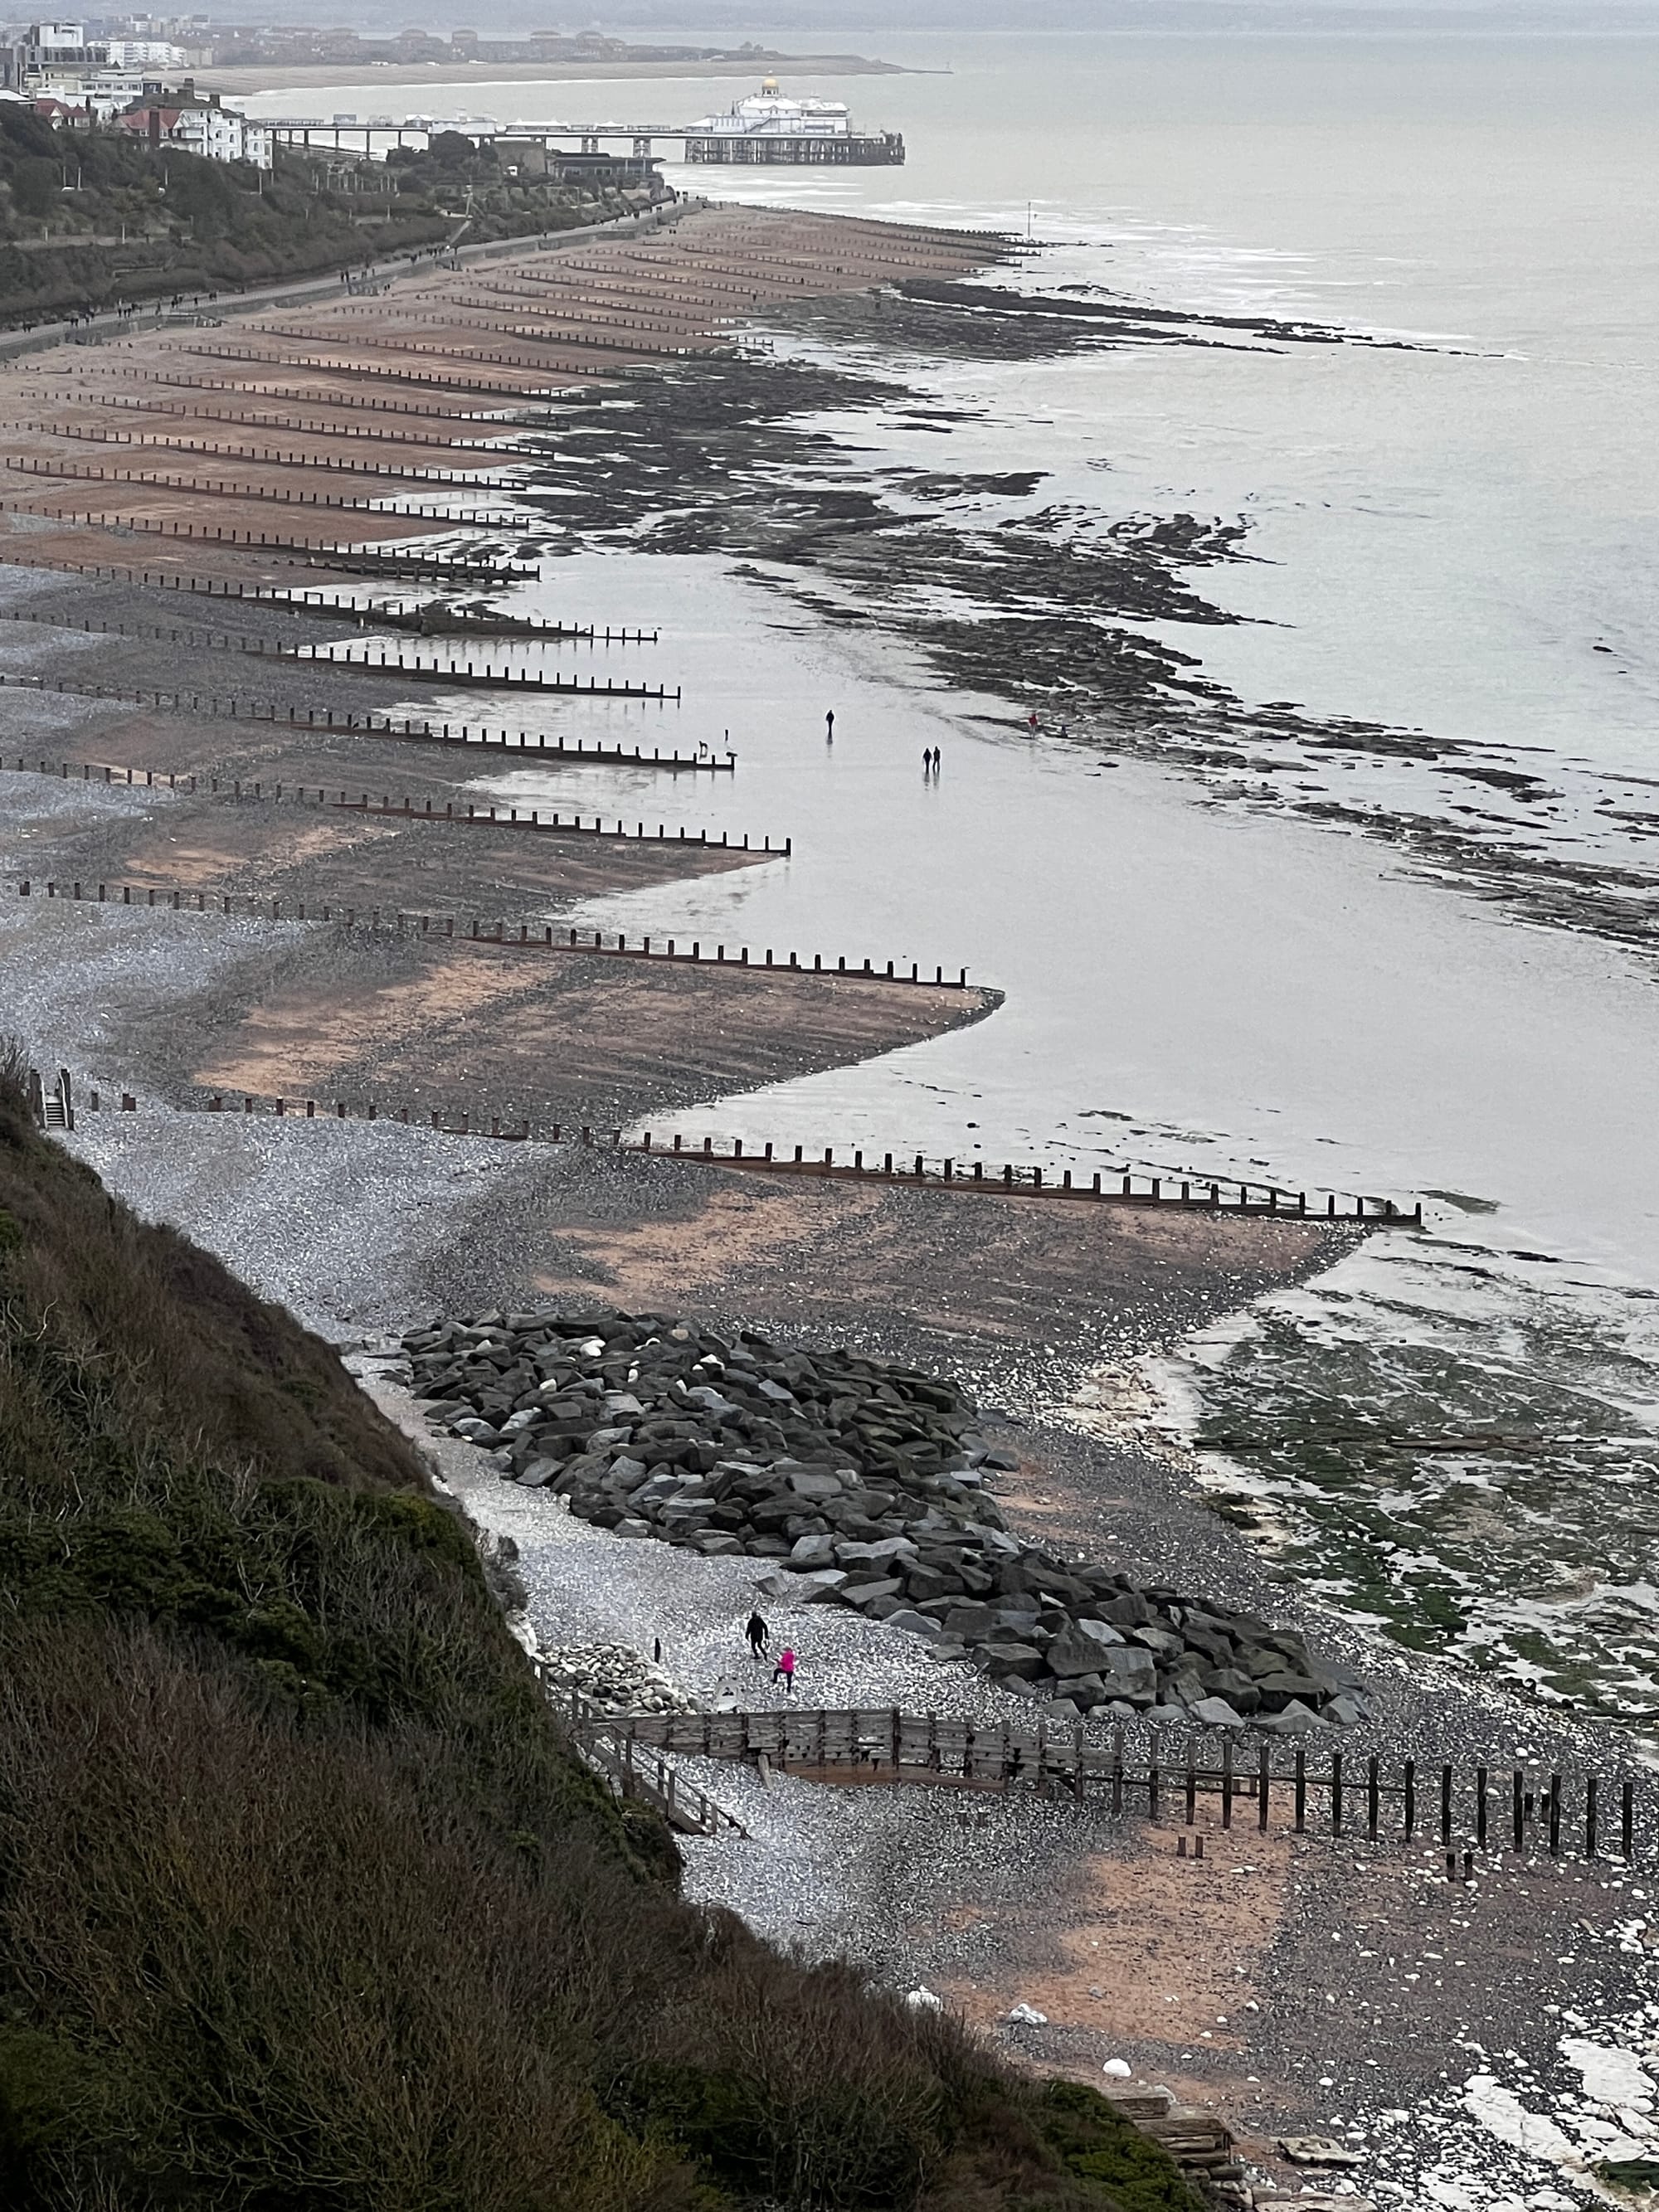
(923, 2001)
(1024, 2015)
(1119, 2069)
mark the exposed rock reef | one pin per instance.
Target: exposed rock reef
(868, 1478)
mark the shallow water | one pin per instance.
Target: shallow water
(1440, 536)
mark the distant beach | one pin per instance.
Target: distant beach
(275, 76)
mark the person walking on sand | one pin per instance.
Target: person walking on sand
(759, 1635)
(830, 728)
(786, 1666)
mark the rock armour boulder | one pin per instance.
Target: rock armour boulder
(730, 1445)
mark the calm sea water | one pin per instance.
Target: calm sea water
(1441, 538)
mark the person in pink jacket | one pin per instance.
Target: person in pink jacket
(786, 1666)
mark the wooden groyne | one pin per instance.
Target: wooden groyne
(1108, 1188)
(277, 496)
(461, 676)
(370, 614)
(231, 707)
(380, 560)
(1253, 1201)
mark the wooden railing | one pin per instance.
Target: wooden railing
(1343, 1792)
(632, 1770)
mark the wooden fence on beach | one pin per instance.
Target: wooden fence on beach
(1316, 1789)
(1256, 1201)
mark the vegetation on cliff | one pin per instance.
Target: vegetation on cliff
(93, 217)
(304, 1901)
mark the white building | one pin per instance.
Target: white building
(767, 114)
(153, 57)
(202, 127)
(100, 93)
(222, 134)
(58, 38)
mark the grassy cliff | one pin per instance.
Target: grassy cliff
(304, 1902)
(93, 216)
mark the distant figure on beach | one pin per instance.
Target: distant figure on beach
(758, 1634)
(830, 728)
(1031, 721)
(786, 1666)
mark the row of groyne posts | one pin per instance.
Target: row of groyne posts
(1470, 1809)
(458, 674)
(915, 1170)
(232, 707)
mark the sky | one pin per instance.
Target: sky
(840, 24)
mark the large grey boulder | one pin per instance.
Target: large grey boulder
(971, 1623)
(538, 1472)
(816, 1483)
(890, 1550)
(1284, 1688)
(1236, 1687)
(1076, 1651)
(864, 1594)
(913, 1624)
(1216, 1712)
(1128, 1672)
(1296, 1719)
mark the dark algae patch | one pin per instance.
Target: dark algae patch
(1479, 1485)
(1064, 608)
(304, 1901)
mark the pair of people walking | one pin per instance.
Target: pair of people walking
(758, 1636)
(931, 758)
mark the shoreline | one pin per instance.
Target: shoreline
(953, 1922)
(253, 79)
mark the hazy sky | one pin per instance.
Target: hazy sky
(841, 24)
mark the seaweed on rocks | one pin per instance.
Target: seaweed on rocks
(865, 1477)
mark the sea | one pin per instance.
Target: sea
(1450, 526)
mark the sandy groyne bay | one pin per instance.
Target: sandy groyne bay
(200, 724)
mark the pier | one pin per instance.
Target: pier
(844, 149)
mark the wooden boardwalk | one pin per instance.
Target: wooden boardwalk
(1315, 1789)
(630, 1769)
